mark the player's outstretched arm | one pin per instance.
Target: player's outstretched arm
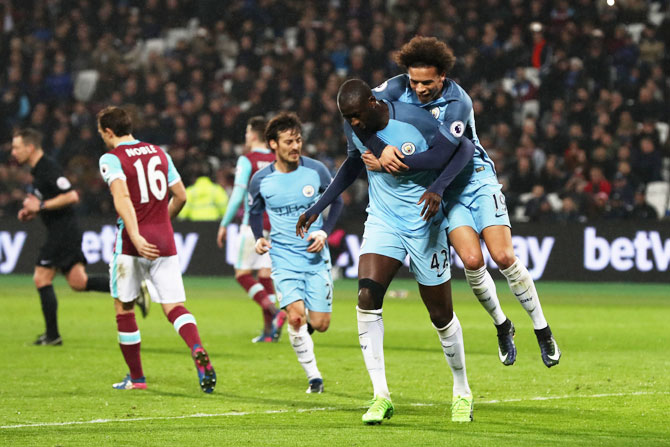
(178, 199)
(345, 176)
(124, 208)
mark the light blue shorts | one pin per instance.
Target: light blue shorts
(481, 204)
(428, 256)
(314, 288)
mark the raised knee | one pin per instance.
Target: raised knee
(472, 261)
(503, 258)
(295, 320)
(78, 286)
(322, 326)
(370, 294)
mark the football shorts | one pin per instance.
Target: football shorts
(247, 258)
(315, 288)
(428, 255)
(479, 205)
(127, 272)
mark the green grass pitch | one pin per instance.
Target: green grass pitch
(612, 386)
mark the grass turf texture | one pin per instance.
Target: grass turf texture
(611, 387)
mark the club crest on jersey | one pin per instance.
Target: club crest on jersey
(408, 148)
(435, 111)
(457, 129)
(381, 87)
(63, 183)
(308, 191)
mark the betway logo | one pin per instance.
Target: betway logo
(646, 252)
(10, 249)
(100, 246)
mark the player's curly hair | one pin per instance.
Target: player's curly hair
(426, 52)
(281, 123)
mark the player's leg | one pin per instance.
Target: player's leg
(248, 261)
(80, 281)
(165, 274)
(440, 308)
(43, 279)
(430, 263)
(278, 320)
(498, 239)
(375, 273)
(475, 210)
(124, 282)
(291, 290)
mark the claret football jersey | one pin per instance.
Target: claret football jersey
(148, 172)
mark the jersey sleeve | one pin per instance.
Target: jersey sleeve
(62, 183)
(391, 89)
(324, 176)
(256, 205)
(110, 168)
(352, 150)
(242, 172)
(173, 175)
(457, 114)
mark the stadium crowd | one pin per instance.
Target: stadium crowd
(570, 96)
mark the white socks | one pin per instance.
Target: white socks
(451, 337)
(371, 338)
(303, 345)
(523, 287)
(484, 288)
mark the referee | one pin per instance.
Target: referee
(53, 199)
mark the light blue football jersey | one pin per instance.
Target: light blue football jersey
(285, 196)
(454, 110)
(393, 199)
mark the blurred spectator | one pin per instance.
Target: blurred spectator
(205, 200)
(641, 209)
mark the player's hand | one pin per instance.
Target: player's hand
(145, 248)
(262, 246)
(25, 215)
(319, 237)
(303, 224)
(431, 204)
(391, 160)
(221, 236)
(371, 162)
(31, 204)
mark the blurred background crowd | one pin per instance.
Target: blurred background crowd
(570, 96)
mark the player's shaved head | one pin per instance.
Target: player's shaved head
(426, 52)
(352, 94)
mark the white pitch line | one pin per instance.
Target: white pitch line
(307, 410)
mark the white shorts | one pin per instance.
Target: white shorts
(127, 272)
(247, 258)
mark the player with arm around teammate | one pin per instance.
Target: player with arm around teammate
(261, 291)
(404, 217)
(474, 204)
(139, 175)
(53, 199)
(300, 268)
